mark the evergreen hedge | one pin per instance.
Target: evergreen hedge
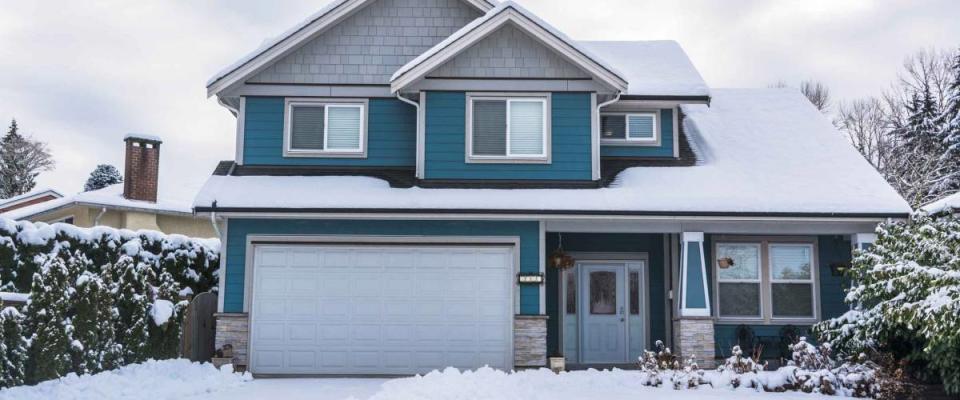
(100, 297)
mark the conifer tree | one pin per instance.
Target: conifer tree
(93, 323)
(49, 350)
(14, 348)
(165, 334)
(112, 355)
(102, 176)
(21, 161)
(133, 305)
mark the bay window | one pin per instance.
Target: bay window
(507, 128)
(766, 281)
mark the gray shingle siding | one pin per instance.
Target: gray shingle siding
(509, 52)
(369, 46)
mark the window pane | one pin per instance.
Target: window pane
(489, 128)
(790, 262)
(792, 299)
(641, 126)
(739, 299)
(344, 129)
(746, 261)
(571, 293)
(603, 293)
(526, 127)
(613, 126)
(634, 293)
(306, 130)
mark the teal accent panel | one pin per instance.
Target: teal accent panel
(239, 229)
(695, 293)
(445, 151)
(391, 135)
(652, 244)
(665, 149)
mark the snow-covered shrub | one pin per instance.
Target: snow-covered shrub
(813, 368)
(906, 298)
(663, 364)
(48, 328)
(14, 354)
(741, 371)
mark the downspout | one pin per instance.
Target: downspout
(607, 103)
(234, 110)
(213, 220)
(419, 131)
(96, 221)
(595, 139)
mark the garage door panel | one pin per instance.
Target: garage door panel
(381, 309)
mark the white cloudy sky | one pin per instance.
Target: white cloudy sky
(81, 74)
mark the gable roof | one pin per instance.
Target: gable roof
(658, 68)
(15, 201)
(505, 12)
(759, 152)
(291, 39)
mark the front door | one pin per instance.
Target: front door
(604, 334)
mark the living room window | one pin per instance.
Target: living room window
(507, 128)
(325, 128)
(630, 128)
(765, 281)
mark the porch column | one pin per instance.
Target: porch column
(693, 330)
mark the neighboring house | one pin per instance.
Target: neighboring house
(28, 199)
(137, 203)
(408, 172)
(949, 204)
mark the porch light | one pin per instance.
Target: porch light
(530, 278)
(559, 258)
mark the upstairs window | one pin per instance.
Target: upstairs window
(632, 128)
(507, 128)
(319, 128)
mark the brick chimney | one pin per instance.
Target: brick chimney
(141, 167)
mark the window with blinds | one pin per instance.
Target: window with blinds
(635, 127)
(314, 127)
(508, 128)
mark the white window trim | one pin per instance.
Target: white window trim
(290, 103)
(542, 158)
(766, 298)
(758, 281)
(812, 281)
(655, 141)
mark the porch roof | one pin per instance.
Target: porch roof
(760, 151)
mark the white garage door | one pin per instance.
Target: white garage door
(319, 309)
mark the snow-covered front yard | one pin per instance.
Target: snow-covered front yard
(182, 380)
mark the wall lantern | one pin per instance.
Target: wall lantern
(530, 278)
(559, 258)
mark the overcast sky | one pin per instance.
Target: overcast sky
(80, 75)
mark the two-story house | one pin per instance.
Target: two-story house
(430, 183)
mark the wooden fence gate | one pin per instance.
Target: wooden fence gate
(199, 328)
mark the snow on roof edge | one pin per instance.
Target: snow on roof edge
(949, 203)
(33, 193)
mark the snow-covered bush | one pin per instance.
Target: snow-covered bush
(906, 298)
(13, 358)
(741, 371)
(661, 364)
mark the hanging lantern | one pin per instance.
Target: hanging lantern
(559, 258)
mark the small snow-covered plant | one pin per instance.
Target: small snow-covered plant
(688, 377)
(814, 368)
(740, 370)
(652, 363)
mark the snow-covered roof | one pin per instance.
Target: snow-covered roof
(149, 138)
(950, 203)
(759, 151)
(652, 68)
(33, 194)
(438, 49)
(173, 201)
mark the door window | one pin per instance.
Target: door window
(603, 293)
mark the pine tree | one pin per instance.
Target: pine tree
(949, 123)
(165, 334)
(102, 176)
(21, 160)
(14, 348)
(133, 305)
(93, 323)
(49, 353)
(112, 356)
(917, 171)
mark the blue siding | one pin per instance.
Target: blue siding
(652, 244)
(831, 249)
(664, 150)
(391, 135)
(446, 142)
(239, 229)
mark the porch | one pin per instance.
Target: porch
(625, 291)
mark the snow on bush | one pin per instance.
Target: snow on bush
(682, 373)
(170, 379)
(906, 297)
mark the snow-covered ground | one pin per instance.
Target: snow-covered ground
(182, 380)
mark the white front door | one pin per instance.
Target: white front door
(603, 305)
(380, 309)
